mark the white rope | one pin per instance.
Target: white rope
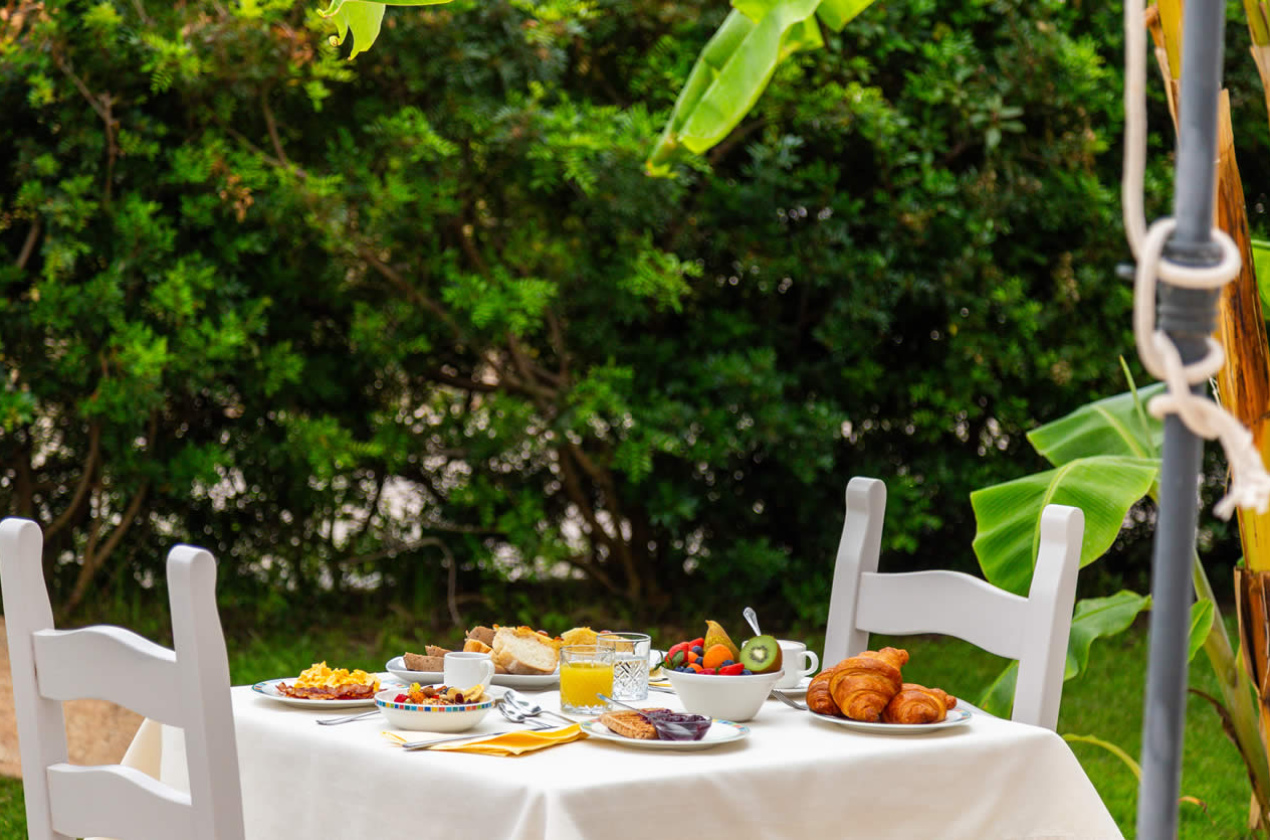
(1249, 483)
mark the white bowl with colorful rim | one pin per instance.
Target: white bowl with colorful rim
(454, 717)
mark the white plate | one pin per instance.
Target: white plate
(269, 688)
(397, 667)
(956, 717)
(720, 732)
(801, 688)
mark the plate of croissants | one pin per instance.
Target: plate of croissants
(868, 692)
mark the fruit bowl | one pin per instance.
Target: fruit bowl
(735, 698)
(450, 718)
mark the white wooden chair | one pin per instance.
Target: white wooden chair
(187, 687)
(1033, 630)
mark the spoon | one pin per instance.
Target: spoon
(529, 708)
(666, 730)
(752, 618)
(516, 716)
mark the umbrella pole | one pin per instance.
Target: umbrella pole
(1189, 317)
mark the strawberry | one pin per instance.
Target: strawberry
(698, 642)
(732, 670)
(684, 646)
(710, 671)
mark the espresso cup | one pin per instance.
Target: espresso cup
(794, 655)
(465, 669)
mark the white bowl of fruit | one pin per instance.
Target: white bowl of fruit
(713, 677)
(434, 708)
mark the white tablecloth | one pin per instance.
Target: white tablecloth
(794, 777)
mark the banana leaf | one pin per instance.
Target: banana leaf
(836, 14)
(1094, 618)
(1008, 516)
(364, 18)
(732, 72)
(1116, 425)
(1261, 263)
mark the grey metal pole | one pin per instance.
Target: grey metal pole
(1189, 317)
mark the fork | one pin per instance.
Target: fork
(787, 700)
(347, 718)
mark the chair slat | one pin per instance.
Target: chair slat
(950, 603)
(115, 801)
(110, 663)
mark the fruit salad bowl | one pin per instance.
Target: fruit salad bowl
(725, 697)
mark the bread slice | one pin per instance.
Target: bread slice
(476, 646)
(522, 651)
(433, 650)
(629, 725)
(415, 662)
(482, 634)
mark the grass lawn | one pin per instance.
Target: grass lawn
(1106, 702)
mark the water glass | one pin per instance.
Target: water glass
(630, 664)
(586, 671)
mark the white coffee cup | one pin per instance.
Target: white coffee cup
(793, 655)
(466, 669)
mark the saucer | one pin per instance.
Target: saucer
(801, 688)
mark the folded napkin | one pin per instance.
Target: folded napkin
(512, 743)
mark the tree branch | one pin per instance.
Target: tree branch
(94, 559)
(85, 481)
(272, 126)
(28, 246)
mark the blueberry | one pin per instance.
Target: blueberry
(747, 672)
(697, 650)
(728, 662)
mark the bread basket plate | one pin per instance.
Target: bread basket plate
(720, 732)
(529, 682)
(957, 717)
(269, 688)
(397, 667)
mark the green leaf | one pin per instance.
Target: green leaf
(731, 73)
(1112, 426)
(1093, 618)
(1261, 266)
(1008, 515)
(361, 18)
(1109, 747)
(838, 13)
(364, 18)
(1201, 626)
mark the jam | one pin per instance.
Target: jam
(677, 726)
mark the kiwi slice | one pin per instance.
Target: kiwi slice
(761, 654)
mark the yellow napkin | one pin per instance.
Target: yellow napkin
(513, 743)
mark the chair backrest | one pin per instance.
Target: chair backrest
(186, 687)
(1033, 630)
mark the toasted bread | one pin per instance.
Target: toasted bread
(579, 636)
(476, 646)
(629, 725)
(415, 662)
(522, 651)
(433, 650)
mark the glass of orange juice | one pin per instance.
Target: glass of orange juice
(586, 671)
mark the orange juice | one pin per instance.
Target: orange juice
(580, 682)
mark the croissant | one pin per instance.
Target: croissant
(862, 685)
(819, 700)
(918, 704)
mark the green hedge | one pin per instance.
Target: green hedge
(352, 324)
